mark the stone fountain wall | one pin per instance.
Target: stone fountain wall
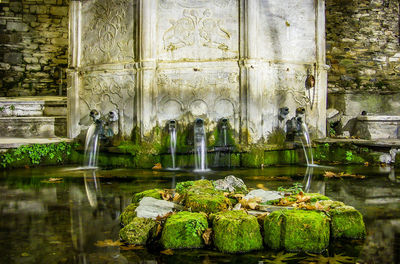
(156, 60)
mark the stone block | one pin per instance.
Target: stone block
(13, 58)
(155, 193)
(138, 231)
(31, 59)
(50, 2)
(59, 11)
(39, 9)
(29, 18)
(4, 66)
(297, 230)
(347, 222)
(17, 26)
(184, 230)
(33, 67)
(59, 42)
(236, 232)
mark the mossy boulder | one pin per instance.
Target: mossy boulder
(184, 230)
(236, 232)
(347, 222)
(202, 197)
(297, 230)
(138, 231)
(315, 197)
(182, 187)
(155, 193)
(128, 214)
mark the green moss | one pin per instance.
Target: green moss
(253, 159)
(297, 230)
(315, 197)
(138, 231)
(236, 231)
(272, 229)
(277, 137)
(155, 193)
(128, 214)
(202, 197)
(181, 187)
(184, 230)
(347, 222)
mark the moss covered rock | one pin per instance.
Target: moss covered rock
(182, 187)
(202, 197)
(155, 193)
(315, 197)
(184, 230)
(236, 231)
(347, 222)
(128, 214)
(297, 230)
(138, 231)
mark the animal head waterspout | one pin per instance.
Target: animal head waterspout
(171, 124)
(112, 116)
(283, 112)
(95, 115)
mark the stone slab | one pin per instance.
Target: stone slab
(26, 127)
(13, 142)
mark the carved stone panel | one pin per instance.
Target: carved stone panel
(287, 30)
(107, 92)
(209, 93)
(197, 30)
(107, 31)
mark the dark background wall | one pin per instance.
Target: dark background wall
(33, 47)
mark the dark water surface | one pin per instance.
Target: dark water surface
(69, 221)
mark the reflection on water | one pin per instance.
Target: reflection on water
(42, 222)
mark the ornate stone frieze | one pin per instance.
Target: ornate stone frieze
(107, 35)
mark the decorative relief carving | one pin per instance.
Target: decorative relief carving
(200, 91)
(110, 92)
(108, 37)
(297, 90)
(193, 3)
(196, 28)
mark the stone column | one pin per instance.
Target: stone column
(250, 90)
(147, 66)
(321, 81)
(73, 79)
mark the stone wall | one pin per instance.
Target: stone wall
(33, 47)
(363, 51)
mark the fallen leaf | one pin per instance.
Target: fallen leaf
(131, 247)
(158, 230)
(163, 217)
(167, 252)
(330, 174)
(252, 205)
(25, 254)
(157, 166)
(108, 243)
(302, 199)
(366, 164)
(177, 197)
(238, 196)
(261, 186)
(207, 236)
(319, 206)
(166, 195)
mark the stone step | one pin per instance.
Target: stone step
(7, 143)
(33, 127)
(33, 106)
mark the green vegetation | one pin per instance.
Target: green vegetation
(347, 222)
(138, 231)
(277, 137)
(128, 214)
(202, 197)
(155, 193)
(184, 230)
(236, 231)
(297, 230)
(35, 154)
(295, 189)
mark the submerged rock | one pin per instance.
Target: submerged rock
(151, 208)
(138, 231)
(184, 230)
(264, 195)
(347, 222)
(297, 230)
(236, 231)
(155, 193)
(128, 214)
(202, 197)
(231, 184)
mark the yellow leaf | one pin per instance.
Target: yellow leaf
(131, 247)
(330, 174)
(108, 243)
(157, 166)
(207, 236)
(167, 252)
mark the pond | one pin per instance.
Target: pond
(75, 218)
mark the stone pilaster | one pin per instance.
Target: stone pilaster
(147, 66)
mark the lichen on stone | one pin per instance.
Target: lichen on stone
(184, 230)
(236, 232)
(138, 231)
